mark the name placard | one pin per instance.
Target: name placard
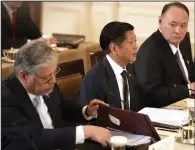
(164, 144)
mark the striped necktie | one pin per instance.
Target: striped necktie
(125, 90)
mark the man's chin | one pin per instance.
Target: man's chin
(48, 92)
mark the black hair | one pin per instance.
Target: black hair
(176, 4)
(114, 32)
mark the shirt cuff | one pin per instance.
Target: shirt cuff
(80, 137)
(189, 90)
(84, 114)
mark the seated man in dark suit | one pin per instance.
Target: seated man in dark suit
(17, 27)
(164, 66)
(31, 100)
(112, 80)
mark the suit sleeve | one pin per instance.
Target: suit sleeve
(13, 118)
(149, 72)
(91, 89)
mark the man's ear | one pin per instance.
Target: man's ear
(159, 20)
(113, 48)
(22, 75)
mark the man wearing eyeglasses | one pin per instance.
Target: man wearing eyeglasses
(31, 101)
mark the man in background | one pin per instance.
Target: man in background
(164, 66)
(17, 26)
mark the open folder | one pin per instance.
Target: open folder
(128, 121)
(166, 117)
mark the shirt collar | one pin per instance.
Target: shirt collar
(173, 48)
(116, 67)
(9, 10)
(31, 96)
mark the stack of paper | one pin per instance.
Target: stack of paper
(166, 116)
(132, 139)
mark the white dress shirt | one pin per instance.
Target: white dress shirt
(174, 50)
(80, 137)
(117, 71)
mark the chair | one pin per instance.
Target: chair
(96, 57)
(70, 77)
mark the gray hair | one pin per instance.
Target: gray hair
(33, 56)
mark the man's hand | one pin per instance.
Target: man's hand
(192, 86)
(93, 107)
(97, 134)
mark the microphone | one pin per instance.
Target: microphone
(134, 113)
(121, 101)
(181, 86)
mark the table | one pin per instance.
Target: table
(183, 104)
(180, 146)
(82, 52)
(89, 145)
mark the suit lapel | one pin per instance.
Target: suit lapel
(23, 99)
(112, 83)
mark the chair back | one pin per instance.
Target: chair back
(70, 77)
(96, 57)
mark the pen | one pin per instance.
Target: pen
(169, 130)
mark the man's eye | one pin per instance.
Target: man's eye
(173, 25)
(183, 26)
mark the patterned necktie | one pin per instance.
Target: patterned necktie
(180, 65)
(14, 23)
(125, 90)
(43, 112)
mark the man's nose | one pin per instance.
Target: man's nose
(136, 47)
(178, 29)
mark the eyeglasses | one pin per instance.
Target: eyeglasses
(51, 76)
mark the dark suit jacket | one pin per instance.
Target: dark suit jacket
(25, 28)
(100, 81)
(157, 71)
(18, 109)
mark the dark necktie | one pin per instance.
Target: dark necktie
(125, 90)
(14, 23)
(180, 65)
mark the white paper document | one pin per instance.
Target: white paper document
(167, 116)
(132, 139)
(164, 144)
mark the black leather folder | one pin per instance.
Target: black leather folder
(130, 121)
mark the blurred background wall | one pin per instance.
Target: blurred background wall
(88, 18)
